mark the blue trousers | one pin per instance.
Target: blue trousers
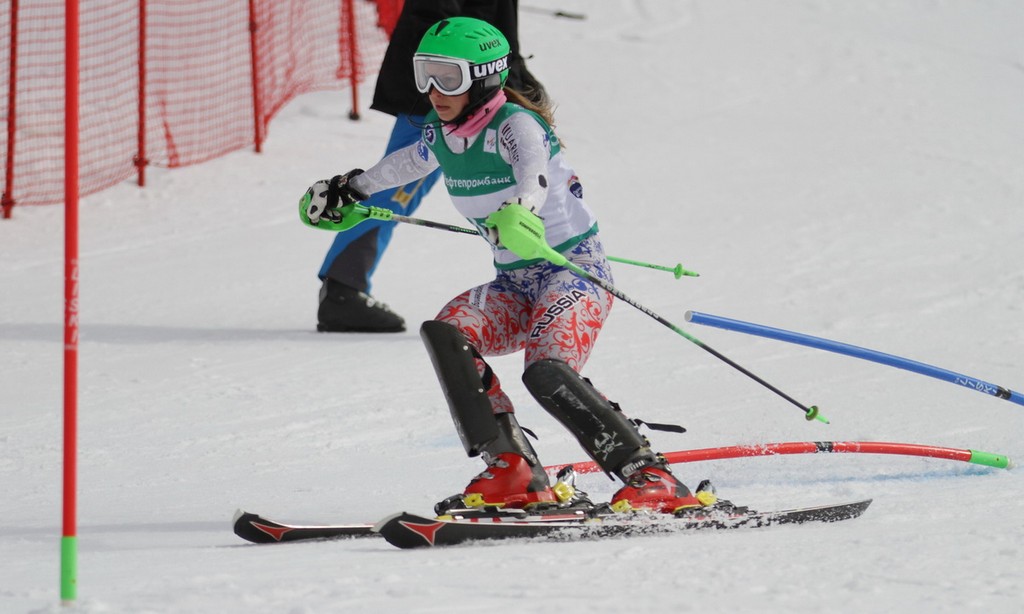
(355, 253)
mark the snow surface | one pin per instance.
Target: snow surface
(852, 170)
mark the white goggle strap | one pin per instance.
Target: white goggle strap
(482, 71)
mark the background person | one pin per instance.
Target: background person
(346, 304)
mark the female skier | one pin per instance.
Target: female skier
(505, 172)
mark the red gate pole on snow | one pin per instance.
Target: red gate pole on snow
(840, 447)
(7, 202)
(819, 447)
(69, 538)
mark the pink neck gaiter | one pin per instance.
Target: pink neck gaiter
(481, 117)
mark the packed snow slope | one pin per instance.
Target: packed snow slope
(850, 170)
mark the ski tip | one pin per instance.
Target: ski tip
(238, 514)
(380, 525)
(859, 507)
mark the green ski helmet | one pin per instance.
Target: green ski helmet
(462, 54)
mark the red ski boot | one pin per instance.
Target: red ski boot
(654, 488)
(509, 481)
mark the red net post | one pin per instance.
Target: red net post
(140, 156)
(257, 103)
(350, 43)
(7, 201)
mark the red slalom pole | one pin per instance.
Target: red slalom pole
(819, 447)
(69, 536)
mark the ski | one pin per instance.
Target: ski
(406, 530)
(259, 530)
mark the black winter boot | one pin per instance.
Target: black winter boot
(345, 309)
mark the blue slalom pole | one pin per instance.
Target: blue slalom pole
(857, 352)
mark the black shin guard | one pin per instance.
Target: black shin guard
(604, 432)
(453, 359)
(511, 438)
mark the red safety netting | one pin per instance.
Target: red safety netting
(168, 83)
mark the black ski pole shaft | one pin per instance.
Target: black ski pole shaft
(429, 224)
(552, 12)
(811, 413)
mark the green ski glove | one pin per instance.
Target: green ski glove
(326, 204)
(521, 232)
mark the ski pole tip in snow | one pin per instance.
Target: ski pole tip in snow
(813, 413)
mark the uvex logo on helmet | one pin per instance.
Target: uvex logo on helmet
(494, 66)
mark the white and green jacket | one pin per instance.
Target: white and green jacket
(516, 155)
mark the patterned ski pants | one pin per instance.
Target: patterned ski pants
(543, 309)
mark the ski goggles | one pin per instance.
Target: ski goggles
(451, 76)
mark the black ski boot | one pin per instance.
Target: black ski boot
(345, 309)
(609, 437)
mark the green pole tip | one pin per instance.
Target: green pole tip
(813, 413)
(989, 459)
(679, 271)
(68, 568)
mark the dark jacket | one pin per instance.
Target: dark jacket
(396, 88)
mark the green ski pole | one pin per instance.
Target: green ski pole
(355, 213)
(811, 413)
(677, 270)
